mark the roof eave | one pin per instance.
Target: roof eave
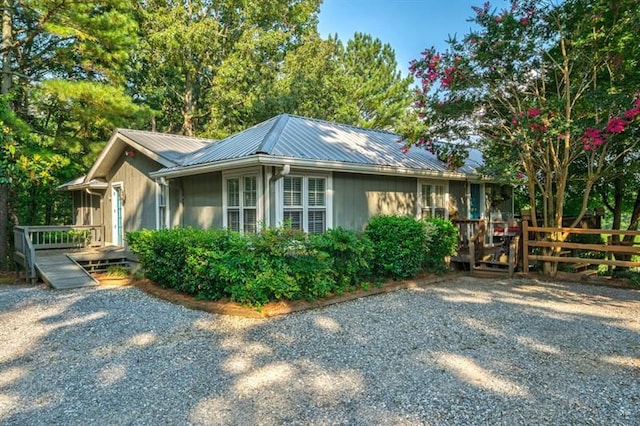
(117, 136)
(325, 165)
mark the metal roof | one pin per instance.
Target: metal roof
(171, 147)
(290, 136)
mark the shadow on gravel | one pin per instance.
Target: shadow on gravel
(470, 351)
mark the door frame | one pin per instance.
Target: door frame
(117, 203)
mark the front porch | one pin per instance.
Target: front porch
(66, 256)
(487, 248)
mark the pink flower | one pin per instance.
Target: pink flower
(616, 125)
(524, 21)
(538, 127)
(514, 121)
(534, 112)
(632, 113)
(592, 138)
(637, 103)
(520, 175)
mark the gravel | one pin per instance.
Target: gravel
(466, 351)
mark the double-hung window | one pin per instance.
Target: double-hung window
(433, 200)
(304, 203)
(162, 202)
(242, 203)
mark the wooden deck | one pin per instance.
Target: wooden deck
(64, 257)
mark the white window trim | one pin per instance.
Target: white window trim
(159, 184)
(114, 185)
(237, 174)
(328, 202)
(422, 204)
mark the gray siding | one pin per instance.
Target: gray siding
(140, 203)
(86, 208)
(359, 197)
(176, 205)
(202, 200)
(457, 200)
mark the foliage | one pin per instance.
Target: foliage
(544, 87)
(117, 271)
(399, 244)
(358, 84)
(441, 241)
(275, 264)
(284, 263)
(351, 253)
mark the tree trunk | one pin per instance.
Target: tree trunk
(187, 112)
(5, 88)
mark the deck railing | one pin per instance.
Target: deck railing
(28, 239)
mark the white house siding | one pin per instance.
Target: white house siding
(357, 197)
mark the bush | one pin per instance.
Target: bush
(284, 263)
(441, 240)
(399, 246)
(352, 255)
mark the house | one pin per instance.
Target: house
(308, 173)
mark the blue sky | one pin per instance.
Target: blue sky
(409, 26)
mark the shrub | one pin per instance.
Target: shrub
(399, 246)
(352, 255)
(441, 240)
(284, 263)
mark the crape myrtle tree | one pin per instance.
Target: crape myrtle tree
(539, 86)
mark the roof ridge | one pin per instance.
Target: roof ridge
(271, 138)
(120, 129)
(352, 126)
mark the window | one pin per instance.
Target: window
(162, 202)
(242, 204)
(304, 202)
(433, 200)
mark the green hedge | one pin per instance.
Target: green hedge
(405, 246)
(285, 264)
(275, 264)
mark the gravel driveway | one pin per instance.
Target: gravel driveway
(468, 351)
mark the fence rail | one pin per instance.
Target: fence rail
(610, 248)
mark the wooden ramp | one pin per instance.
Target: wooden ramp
(62, 272)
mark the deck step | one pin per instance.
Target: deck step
(488, 272)
(579, 267)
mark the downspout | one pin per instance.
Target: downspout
(286, 169)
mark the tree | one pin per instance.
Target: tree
(358, 85)
(196, 50)
(534, 83)
(378, 92)
(63, 66)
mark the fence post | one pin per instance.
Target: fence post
(525, 246)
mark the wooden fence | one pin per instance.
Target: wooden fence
(610, 248)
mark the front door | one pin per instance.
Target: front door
(476, 202)
(117, 229)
